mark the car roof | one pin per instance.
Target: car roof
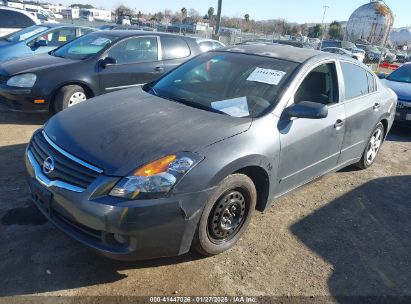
(6, 8)
(279, 51)
(131, 33)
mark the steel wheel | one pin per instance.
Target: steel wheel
(227, 216)
(76, 98)
(374, 146)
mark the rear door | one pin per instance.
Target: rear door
(362, 109)
(311, 147)
(175, 51)
(137, 63)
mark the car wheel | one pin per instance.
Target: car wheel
(69, 96)
(226, 215)
(372, 148)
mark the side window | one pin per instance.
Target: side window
(59, 37)
(320, 85)
(174, 48)
(217, 45)
(135, 50)
(12, 19)
(372, 86)
(85, 31)
(355, 79)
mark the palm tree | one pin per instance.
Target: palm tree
(184, 12)
(247, 18)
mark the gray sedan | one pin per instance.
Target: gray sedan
(184, 161)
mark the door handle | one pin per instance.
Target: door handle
(159, 69)
(376, 106)
(339, 124)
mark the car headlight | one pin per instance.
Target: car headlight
(22, 81)
(157, 178)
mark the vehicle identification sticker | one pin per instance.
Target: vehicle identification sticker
(268, 76)
(236, 107)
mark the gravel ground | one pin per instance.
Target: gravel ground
(347, 233)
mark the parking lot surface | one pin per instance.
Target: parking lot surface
(347, 233)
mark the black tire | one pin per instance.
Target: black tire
(63, 96)
(365, 162)
(231, 205)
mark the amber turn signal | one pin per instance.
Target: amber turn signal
(155, 167)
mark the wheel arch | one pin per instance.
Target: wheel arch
(86, 87)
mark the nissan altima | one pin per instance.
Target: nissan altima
(184, 161)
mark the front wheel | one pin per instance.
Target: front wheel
(68, 96)
(226, 215)
(372, 148)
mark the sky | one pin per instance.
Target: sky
(301, 11)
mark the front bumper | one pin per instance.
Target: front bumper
(152, 228)
(22, 99)
(403, 115)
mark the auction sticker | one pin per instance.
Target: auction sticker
(268, 76)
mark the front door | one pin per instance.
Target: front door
(136, 63)
(311, 147)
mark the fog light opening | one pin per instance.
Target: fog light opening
(120, 239)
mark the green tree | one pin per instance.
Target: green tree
(315, 31)
(210, 13)
(83, 6)
(336, 31)
(247, 18)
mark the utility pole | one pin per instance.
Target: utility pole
(217, 26)
(323, 27)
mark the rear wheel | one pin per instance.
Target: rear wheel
(69, 96)
(372, 148)
(226, 215)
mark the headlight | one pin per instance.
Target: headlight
(156, 178)
(22, 81)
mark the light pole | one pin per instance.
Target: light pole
(217, 27)
(322, 36)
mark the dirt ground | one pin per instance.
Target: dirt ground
(348, 233)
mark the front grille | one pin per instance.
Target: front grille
(65, 169)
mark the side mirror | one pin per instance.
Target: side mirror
(41, 43)
(307, 109)
(382, 76)
(107, 62)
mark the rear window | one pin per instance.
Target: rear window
(355, 80)
(12, 19)
(174, 48)
(372, 87)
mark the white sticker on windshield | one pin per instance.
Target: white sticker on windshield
(268, 76)
(100, 41)
(236, 107)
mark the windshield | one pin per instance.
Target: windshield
(403, 74)
(238, 85)
(26, 33)
(85, 46)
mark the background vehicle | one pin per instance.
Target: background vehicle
(346, 45)
(400, 82)
(342, 52)
(91, 65)
(39, 39)
(209, 44)
(372, 53)
(298, 44)
(201, 148)
(12, 20)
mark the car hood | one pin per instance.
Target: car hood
(33, 64)
(121, 131)
(402, 89)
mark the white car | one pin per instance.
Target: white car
(343, 52)
(12, 20)
(209, 44)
